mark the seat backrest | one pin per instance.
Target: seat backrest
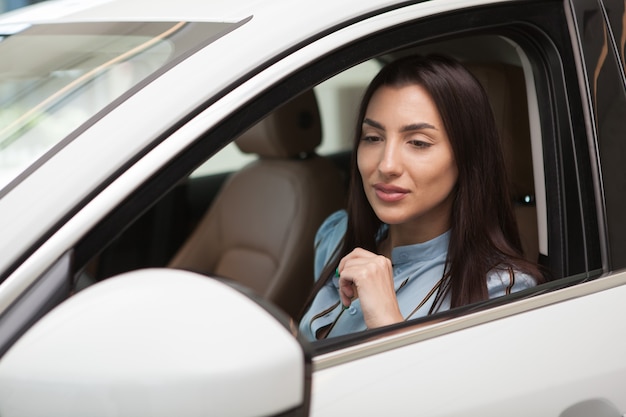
(260, 228)
(506, 88)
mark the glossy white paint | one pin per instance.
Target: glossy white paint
(529, 364)
(154, 343)
(282, 13)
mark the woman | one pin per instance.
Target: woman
(429, 225)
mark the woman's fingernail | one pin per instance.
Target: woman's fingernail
(337, 273)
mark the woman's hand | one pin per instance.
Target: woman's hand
(369, 277)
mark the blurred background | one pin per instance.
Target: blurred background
(7, 5)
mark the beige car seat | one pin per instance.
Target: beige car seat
(506, 88)
(260, 228)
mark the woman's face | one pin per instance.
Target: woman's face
(406, 163)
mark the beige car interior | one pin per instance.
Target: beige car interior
(261, 226)
(506, 88)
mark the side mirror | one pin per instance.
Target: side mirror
(154, 342)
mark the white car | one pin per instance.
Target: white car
(120, 175)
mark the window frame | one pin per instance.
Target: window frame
(572, 224)
(597, 33)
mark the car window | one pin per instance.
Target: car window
(504, 73)
(338, 99)
(529, 97)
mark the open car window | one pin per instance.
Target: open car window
(541, 149)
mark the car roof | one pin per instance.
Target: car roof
(189, 10)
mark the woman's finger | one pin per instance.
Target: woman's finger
(346, 291)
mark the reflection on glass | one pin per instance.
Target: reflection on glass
(54, 78)
(50, 85)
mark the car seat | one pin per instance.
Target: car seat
(506, 87)
(260, 228)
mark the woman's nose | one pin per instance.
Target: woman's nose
(390, 163)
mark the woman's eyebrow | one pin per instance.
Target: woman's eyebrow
(373, 123)
(417, 126)
(408, 128)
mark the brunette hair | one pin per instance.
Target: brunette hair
(483, 233)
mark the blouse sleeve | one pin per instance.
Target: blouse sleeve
(322, 310)
(504, 281)
(327, 239)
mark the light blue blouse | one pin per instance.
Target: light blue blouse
(417, 271)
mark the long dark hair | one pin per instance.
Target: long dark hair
(483, 233)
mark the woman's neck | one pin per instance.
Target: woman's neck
(404, 234)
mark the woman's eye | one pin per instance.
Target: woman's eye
(420, 144)
(371, 138)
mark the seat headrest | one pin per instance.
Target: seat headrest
(289, 131)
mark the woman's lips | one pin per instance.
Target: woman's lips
(390, 193)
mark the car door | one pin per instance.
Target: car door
(547, 355)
